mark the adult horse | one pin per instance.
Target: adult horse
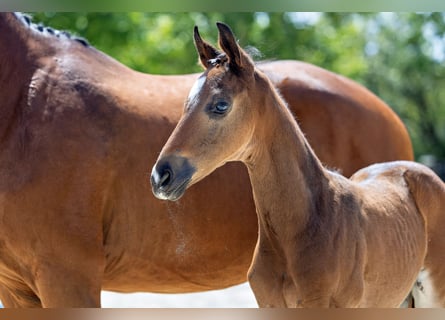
(324, 240)
(78, 134)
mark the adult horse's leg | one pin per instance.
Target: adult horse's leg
(54, 241)
(69, 285)
(69, 269)
(56, 272)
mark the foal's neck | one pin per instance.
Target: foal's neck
(287, 178)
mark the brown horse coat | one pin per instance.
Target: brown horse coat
(78, 135)
(324, 240)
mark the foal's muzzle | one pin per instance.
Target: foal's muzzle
(170, 177)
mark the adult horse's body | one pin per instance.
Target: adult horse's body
(78, 133)
(324, 240)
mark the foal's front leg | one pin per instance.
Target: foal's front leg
(276, 284)
(265, 277)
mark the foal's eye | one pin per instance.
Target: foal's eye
(221, 107)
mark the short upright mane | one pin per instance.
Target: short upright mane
(27, 21)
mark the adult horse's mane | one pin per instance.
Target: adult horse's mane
(39, 27)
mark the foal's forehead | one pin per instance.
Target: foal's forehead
(220, 79)
(210, 82)
(196, 88)
(214, 82)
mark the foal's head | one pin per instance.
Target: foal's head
(218, 120)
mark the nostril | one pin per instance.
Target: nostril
(161, 177)
(170, 177)
(165, 178)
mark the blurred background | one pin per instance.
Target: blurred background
(398, 56)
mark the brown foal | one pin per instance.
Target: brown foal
(324, 240)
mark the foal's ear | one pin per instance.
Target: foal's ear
(238, 59)
(205, 50)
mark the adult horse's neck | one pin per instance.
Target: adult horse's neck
(287, 178)
(18, 46)
(20, 51)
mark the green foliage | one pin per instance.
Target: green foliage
(409, 74)
(399, 56)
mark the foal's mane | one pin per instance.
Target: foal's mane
(27, 21)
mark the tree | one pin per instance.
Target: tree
(407, 69)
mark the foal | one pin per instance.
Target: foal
(324, 240)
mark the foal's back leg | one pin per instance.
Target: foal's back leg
(429, 288)
(429, 193)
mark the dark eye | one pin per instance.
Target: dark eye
(221, 107)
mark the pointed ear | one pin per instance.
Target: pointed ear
(205, 50)
(239, 60)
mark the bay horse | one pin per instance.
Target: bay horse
(324, 240)
(78, 134)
